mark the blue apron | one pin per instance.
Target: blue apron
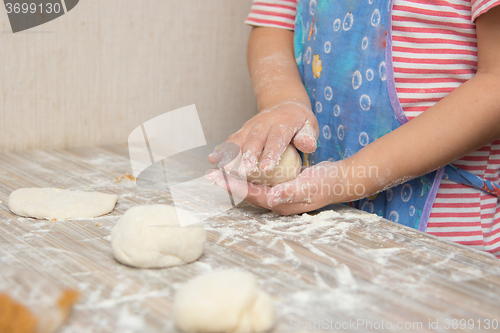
(344, 54)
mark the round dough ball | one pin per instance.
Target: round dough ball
(151, 237)
(287, 169)
(55, 203)
(223, 301)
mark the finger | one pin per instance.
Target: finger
(221, 150)
(252, 149)
(278, 139)
(257, 195)
(253, 194)
(295, 208)
(312, 182)
(228, 167)
(299, 190)
(213, 175)
(305, 140)
(284, 193)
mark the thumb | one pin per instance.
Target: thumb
(294, 191)
(305, 139)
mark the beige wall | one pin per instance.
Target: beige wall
(94, 74)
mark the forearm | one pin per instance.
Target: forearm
(460, 123)
(465, 120)
(274, 73)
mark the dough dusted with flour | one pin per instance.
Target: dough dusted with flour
(151, 237)
(55, 203)
(287, 169)
(223, 301)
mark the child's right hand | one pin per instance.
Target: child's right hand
(270, 132)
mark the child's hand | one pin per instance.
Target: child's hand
(317, 186)
(270, 132)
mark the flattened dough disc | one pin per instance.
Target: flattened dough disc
(55, 203)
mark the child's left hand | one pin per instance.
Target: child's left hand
(315, 187)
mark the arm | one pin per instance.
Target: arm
(285, 109)
(273, 71)
(462, 122)
(465, 120)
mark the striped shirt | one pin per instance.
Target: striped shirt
(434, 51)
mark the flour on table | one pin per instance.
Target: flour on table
(150, 236)
(223, 301)
(59, 204)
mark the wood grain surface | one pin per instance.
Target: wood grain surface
(337, 271)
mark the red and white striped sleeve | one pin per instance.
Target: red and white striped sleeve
(273, 13)
(482, 6)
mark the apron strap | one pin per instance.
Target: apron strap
(466, 178)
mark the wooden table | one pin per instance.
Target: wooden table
(343, 272)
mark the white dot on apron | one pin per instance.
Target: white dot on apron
(336, 110)
(369, 75)
(368, 207)
(328, 47)
(357, 79)
(340, 132)
(406, 191)
(365, 102)
(326, 132)
(394, 216)
(348, 20)
(314, 93)
(328, 93)
(336, 25)
(411, 211)
(312, 6)
(388, 194)
(364, 43)
(348, 153)
(370, 1)
(381, 71)
(364, 140)
(375, 18)
(331, 159)
(308, 55)
(319, 107)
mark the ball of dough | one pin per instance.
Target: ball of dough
(223, 301)
(150, 237)
(287, 169)
(55, 203)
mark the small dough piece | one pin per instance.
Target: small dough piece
(287, 169)
(30, 302)
(223, 301)
(150, 236)
(55, 203)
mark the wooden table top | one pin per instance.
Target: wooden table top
(339, 271)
